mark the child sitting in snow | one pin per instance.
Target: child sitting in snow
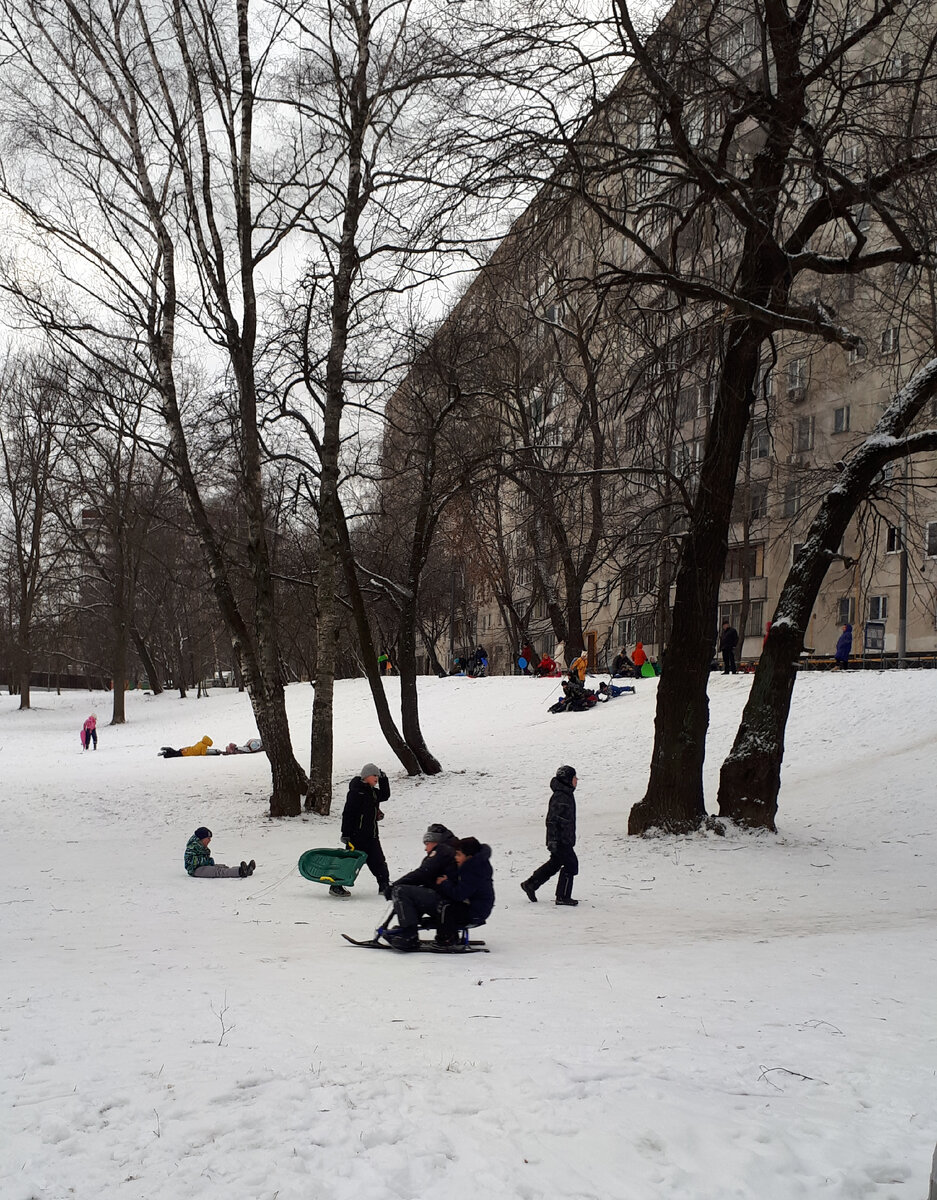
(199, 863)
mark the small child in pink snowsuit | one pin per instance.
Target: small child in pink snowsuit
(89, 732)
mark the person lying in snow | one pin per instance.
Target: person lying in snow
(201, 747)
(611, 691)
(251, 746)
(575, 698)
(200, 864)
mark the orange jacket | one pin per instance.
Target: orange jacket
(639, 658)
(580, 665)
(200, 747)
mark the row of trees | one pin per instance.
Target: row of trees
(235, 222)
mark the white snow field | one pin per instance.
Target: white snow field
(748, 1016)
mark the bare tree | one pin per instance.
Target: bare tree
(34, 548)
(735, 164)
(750, 778)
(158, 212)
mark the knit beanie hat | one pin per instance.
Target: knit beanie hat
(469, 846)
(566, 774)
(369, 769)
(202, 832)
(437, 833)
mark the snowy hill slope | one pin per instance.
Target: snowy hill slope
(738, 1017)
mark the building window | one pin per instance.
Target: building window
(761, 443)
(878, 608)
(686, 404)
(764, 382)
(856, 354)
(841, 419)
(791, 505)
(645, 628)
(803, 437)
(890, 340)
(707, 399)
(758, 502)
(754, 626)
(931, 539)
(626, 636)
(847, 610)
(893, 540)
(745, 561)
(796, 376)
(634, 431)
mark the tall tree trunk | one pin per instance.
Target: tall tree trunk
(143, 651)
(369, 656)
(119, 665)
(24, 671)
(750, 778)
(674, 797)
(409, 699)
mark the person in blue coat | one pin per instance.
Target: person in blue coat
(844, 647)
(471, 897)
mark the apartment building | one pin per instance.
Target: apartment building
(594, 338)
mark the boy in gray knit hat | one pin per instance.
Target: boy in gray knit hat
(366, 793)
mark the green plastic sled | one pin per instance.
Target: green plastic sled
(333, 867)
(647, 671)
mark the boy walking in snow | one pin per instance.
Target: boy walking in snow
(561, 838)
(366, 793)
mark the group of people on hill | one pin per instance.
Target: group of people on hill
(474, 663)
(205, 747)
(452, 888)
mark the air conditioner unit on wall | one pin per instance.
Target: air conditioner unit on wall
(796, 394)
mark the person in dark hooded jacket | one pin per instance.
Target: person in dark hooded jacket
(416, 894)
(465, 900)
(844, 647)
(471, 897)
(362, 811)
(561, 838)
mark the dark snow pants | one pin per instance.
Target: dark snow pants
(564, 860)
(377, 863)
(412, 901)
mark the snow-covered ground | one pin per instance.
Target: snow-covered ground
(749, 1016)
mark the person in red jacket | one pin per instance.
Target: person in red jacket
(639, 658)
(547, 666)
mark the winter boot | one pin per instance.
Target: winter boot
(243, 869)
(401, 938)
(337, 890)
(251, 867)
(567, 900)
(529, 890)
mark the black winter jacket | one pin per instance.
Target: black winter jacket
(439, 861)
(359, 816)
(474, 885)
(729, 638)
(561, 816)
